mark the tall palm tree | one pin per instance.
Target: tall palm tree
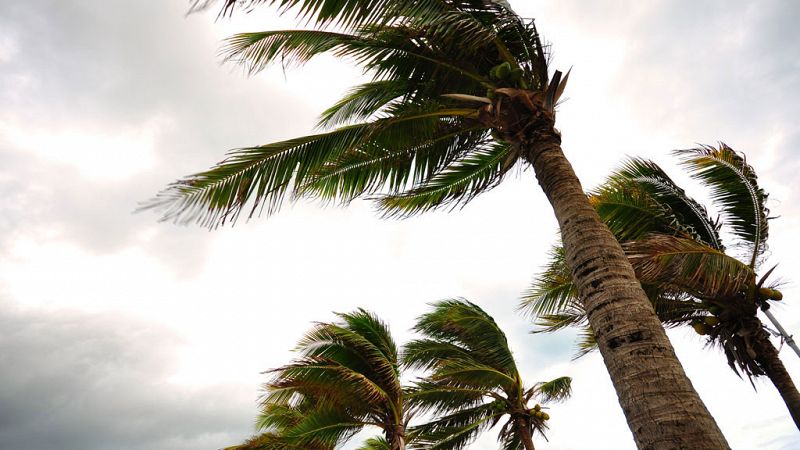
(473, 382)
(461, 93)
(346, 380)
(677, 252)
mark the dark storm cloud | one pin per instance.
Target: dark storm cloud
(72, 381)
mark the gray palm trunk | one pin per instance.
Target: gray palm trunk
(661, 406)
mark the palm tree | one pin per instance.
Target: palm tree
(677, 252)
(473, 382)
(347, 379)
(461, 93)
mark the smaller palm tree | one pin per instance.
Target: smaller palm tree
(677, 251)
(473, 382)
(347, 379)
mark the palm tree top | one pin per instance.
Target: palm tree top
(422, 134)
(472, 381)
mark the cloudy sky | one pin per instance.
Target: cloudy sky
(118, 332)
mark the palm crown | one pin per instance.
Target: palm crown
(473, 382)
(418, 136)
(347, 379)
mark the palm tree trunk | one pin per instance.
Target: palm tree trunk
(524, 433)
(660, 404)
(768, 359)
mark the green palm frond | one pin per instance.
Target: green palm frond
(375, 443)
(363, 101)
(640, 198)
(687, 265)
(326, 427)
(464, 179)
(457, 430)
(444, 398)
(555, 390)
(735, 190)
(572, 315)
(552, 289)
(388, 168)
(586, 343)
(465, 324)
(265, 173)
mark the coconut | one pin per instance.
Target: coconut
(545, 416)
(538, 407)
(700, 328)
(503, 70)
(711, 320)
(765, 292)
(715, 310)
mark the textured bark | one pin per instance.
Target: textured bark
(397, 438)
(660, 404)
(770, 362)
(525, 433)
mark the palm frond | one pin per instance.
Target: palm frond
(264, 173)
(375, 443)
(640, 198)
(389, 168)
(735, 190)
(552, 289)
(363, 101)
(326, 427)
(457, 430)
(555, 390)
(444, 398)
(688, 265)
(465, 324)
(479, 171)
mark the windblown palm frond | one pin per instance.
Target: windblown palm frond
(734, 189)
(640, 198)
(681, 264)
(472, 382)
(375, 443)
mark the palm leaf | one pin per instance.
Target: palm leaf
(735, 190)
(264, 173)
(640, 198)
(555, 390)
(479, 171)
(552, 289)
(687, 265)
(375, 443)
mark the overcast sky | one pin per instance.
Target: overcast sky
(118, 332)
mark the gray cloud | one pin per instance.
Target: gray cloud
(98, 381)
(111, 67)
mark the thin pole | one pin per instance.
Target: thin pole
(786, 336)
